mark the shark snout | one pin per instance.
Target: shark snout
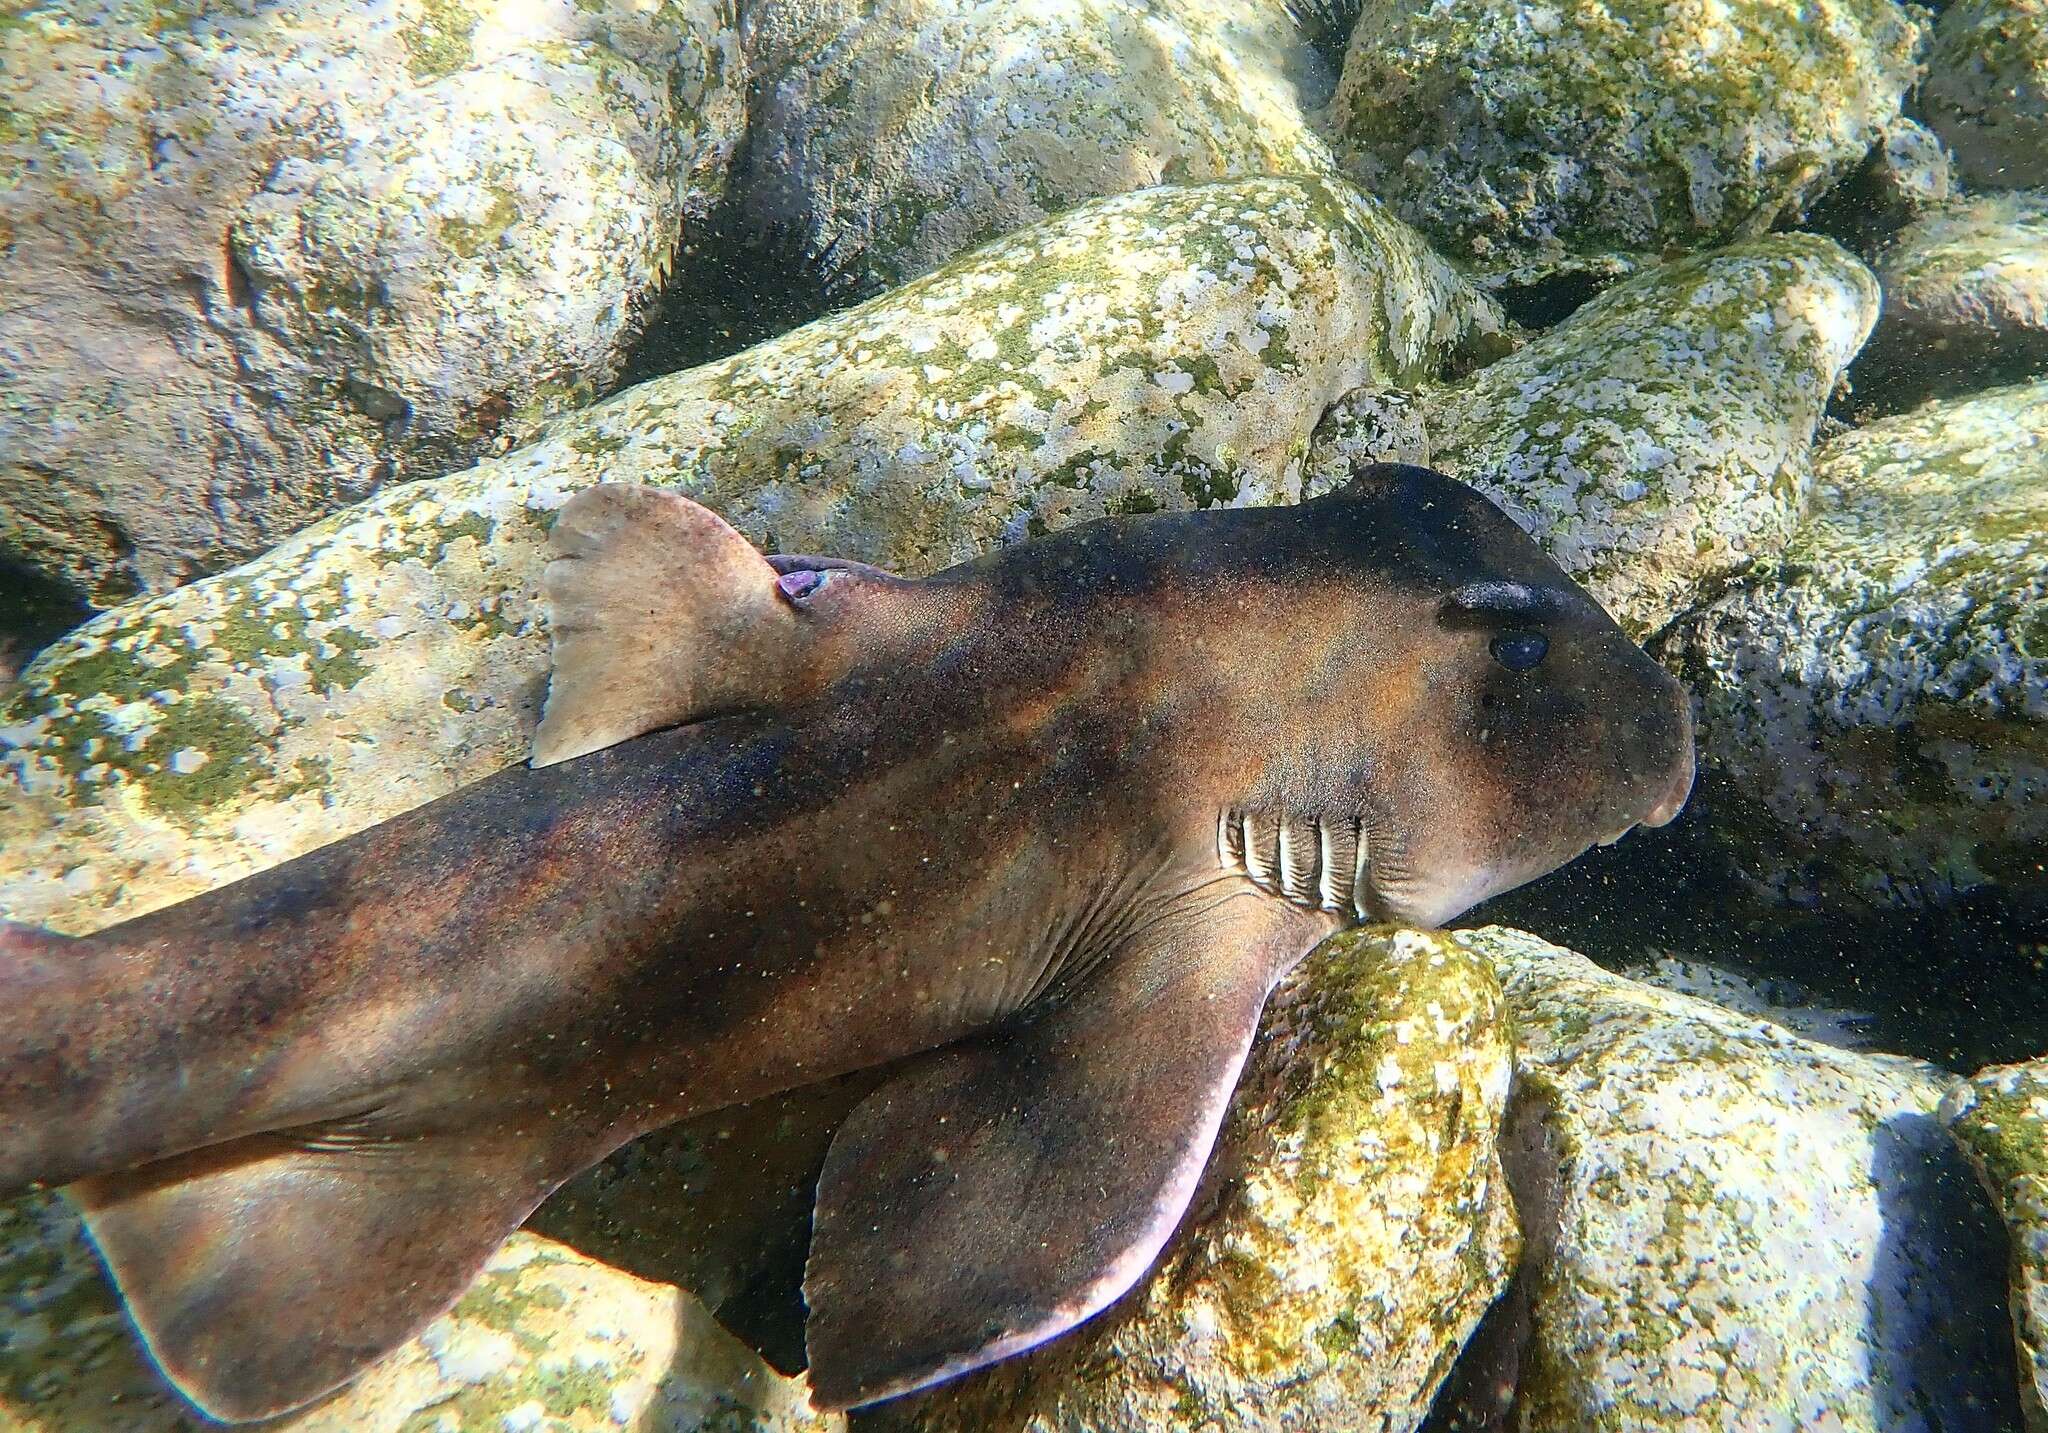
(1667, 806)
(1678, 787)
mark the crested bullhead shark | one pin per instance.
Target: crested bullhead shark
(1040, 832)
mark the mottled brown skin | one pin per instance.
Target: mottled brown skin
(306, 1106)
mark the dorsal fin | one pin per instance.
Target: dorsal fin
(661, 614)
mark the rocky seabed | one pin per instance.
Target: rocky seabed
(311, 317)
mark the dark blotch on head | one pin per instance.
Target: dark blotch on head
(1514, 601)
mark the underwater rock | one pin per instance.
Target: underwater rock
(1167, 349)
(1361, 1226)
(1986, 91)
(1874, 703)
(1965, 299)
(1911, 167)
(896, 136)
(1730, 1226)
(1531, 139)
(1658, 439)
(262, 260)
(1999, 1117)
(1784, 1002)
(1366, 425)
(544, 1339)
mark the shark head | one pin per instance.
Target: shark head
(1442, 713)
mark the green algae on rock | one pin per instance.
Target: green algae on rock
(1657, 440)
(1730, 1226)
(1531, 139)
(1965, 299)
(544, 1339)
(1986, 92)
(898, 135)
(1999, 1117)
(1167, 349)
(1366, 425)
(262, 260)
(1874, 703)
(1364, 1230)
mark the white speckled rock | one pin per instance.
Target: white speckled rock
(1911, 166)
(1171, 348)
(261, 259)
(1875, 703)
(1987, 90)
(2000, 1118)
(1367, 425)
(1965, 298)
(1784, 1002)
(1363, 1230)
(544, 1331)
(1536, 138)
(902, 133)
(1731, 1227)
(1658, 439)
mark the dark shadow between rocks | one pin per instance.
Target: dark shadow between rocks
(1962, 982)
(736, 282)
(720, 1206)
(35, 610)
(1933, 1211)
(1545, 303)
(1479, 1394)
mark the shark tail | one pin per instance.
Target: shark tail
(47, 984)
(266, 1269)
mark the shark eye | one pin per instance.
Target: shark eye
(1519, 651)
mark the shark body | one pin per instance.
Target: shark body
(1042, 831)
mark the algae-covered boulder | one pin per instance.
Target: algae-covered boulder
(545, 1339)
(1657, 440)
(1874, 703)
(1999, 1117)
(1965, 298)
(1366, 425)
(262, 259)
(897, 135)
(1729, 1226)
(1531, 139)
(1987, 90)
(1172, 348)
(1362, 1228)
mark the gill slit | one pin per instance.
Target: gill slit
(1321, 862)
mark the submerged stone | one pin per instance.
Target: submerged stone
(893, 137)
(1999, 1117)
(1874, 703)
(262, 260)
(1529, 139)
(1986, 91)
(1658, 440)
(1965, 299)
(1360, 1226)
(1728, 1225)
(1167, 349)
(543, 1332)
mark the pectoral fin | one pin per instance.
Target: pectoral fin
(264, 1273)
(1002, 1190)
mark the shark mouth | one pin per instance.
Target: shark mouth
(1311, 861)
